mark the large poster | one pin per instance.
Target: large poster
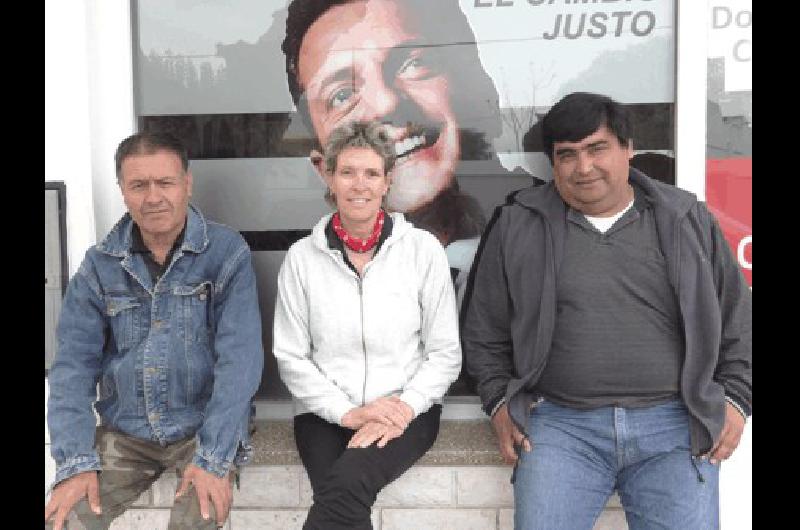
(255, 87)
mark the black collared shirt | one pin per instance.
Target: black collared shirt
(156, 270)
(335, 243)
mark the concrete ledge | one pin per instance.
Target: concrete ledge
(460, 443)
(460, 484)
(435, 497)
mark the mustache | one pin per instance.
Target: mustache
(417, 137)
(160, 209)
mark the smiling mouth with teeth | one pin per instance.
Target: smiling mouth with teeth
(417, 139)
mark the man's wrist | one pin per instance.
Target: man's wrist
(75, 465)
(737, 406)
(497, 406)
(217, 467)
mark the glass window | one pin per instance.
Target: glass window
(729, 145)
(254, 87)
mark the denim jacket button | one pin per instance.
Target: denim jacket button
(202, 296)
(157, 324)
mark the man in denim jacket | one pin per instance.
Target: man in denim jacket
(160, 330)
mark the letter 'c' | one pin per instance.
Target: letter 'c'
(748, 240)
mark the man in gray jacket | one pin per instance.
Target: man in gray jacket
(609, 332)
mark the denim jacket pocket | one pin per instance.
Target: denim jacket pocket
(193, 306)
(121, 310)
(195, 366)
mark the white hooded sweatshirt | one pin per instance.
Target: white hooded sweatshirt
(342, 341)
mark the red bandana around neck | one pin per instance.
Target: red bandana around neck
(354, 243)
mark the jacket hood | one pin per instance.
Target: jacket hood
(118, 241)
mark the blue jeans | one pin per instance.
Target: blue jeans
(580, 457)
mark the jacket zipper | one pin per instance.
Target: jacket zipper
(359, 280)
(363, 340)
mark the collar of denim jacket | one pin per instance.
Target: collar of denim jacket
(119, 240)
(196, 237)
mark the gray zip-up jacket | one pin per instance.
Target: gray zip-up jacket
(509, 316)
(342, 341)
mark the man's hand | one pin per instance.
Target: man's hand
(389, 410)
(508, 435)
(70, 491)
(208, 485)
(374, 431)
(730, 436)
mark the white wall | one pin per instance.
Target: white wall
(736, 485)
(88, 110)
(67, 145)
(111, 108)
(690, 98)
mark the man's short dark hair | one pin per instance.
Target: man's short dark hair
(147, 143)
(580, 114)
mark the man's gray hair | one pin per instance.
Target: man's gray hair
(369, 134)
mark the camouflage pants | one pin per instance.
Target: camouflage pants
(130, 466)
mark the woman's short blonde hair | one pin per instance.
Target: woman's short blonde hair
(369, 134)
(360, 134)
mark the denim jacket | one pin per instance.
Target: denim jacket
(160, 362)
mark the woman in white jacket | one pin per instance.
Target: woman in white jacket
(365, 334)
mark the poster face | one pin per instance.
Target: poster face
(255, 87)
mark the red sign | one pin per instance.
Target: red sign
(729, 195)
